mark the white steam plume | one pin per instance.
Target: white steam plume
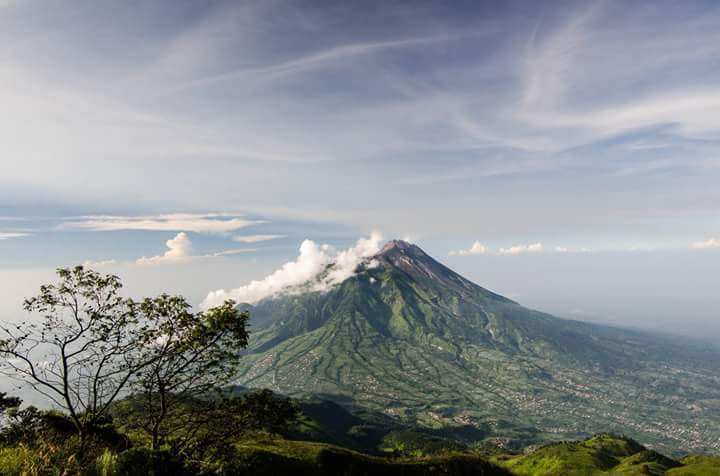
(304, 273)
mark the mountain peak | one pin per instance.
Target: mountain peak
(395, 245)
(399, 251)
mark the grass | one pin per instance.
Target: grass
(13, 460)
(277, 456)
(605, 455)
(697, 466)
(592, 456)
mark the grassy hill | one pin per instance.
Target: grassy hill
(307, 458)
(604, 455)
(697, 466)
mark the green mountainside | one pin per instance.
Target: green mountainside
(408, 338)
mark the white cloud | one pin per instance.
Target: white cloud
(99, 264)
(707, 244)
(233, 252)
(519, 249)
(306, 272)
(565, 249)
(256, 238)
(10, 235)
(198, 223)
(179, 251)
(347, 261)
(477, 248)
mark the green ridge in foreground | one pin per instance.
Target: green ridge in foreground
(697, 466)
(605, 455)
(274, 457)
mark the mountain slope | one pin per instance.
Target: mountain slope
(409, 337)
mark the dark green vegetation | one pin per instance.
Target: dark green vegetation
(411, 339)
(235, 440)
(248, 434)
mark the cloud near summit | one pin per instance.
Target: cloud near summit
(305, 269)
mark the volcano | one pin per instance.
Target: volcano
(409, 337)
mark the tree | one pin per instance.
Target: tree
(8, 410)
(221, 422)
(190, 355)
(87, 347)
(262, 410)
(84, 348)
(8, 403)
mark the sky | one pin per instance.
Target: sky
(565, 154)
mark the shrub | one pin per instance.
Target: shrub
(143, 461)
(106, 464)
(13, 460)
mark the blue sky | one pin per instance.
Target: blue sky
(591, 129)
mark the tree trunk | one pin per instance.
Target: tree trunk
(82, 434)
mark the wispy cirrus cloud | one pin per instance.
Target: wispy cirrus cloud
(198, 223)
(256, 238)
(553, 89)
(8, 235)
(239, 251)
(316, 60)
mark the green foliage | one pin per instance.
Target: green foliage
(106, 464)
(147, 462)
(697, 465)
(216, 422)
(189, 355)
(13, 460)
(597, 454)
(262, 453)
(261, 410)
(273, 457)
(604, 455)
(8, 403)
(416, 444)
(645, 462)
